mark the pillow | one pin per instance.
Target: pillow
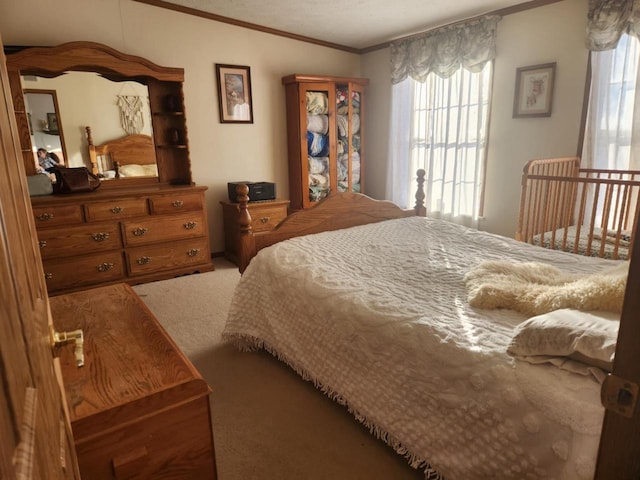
(565, 337)
(150, 170)
(132, 170)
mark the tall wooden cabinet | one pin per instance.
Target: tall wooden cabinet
(325, 128)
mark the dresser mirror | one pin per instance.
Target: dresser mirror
(115, 94)
(45, 123)
(80, 99)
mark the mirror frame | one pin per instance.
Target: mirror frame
(165, 97)
(54, 98)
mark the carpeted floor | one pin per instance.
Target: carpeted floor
(268, 423)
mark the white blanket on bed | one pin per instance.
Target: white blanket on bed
(377, 317)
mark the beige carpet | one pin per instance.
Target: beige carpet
(268, 423)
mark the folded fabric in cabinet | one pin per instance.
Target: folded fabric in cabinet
(318, 193)
(355, 101)
(342, 146)
(343, 167)
(342, 110)
(317, 102)
(355, 123)
(318, 124)
(343, 125)
(318, 165)
(318, 180)
(355, 167)
(317, 144)
(355, 142)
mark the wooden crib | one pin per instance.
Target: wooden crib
(579, 210)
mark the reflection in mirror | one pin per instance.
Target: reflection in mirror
(113, 109)
(44, 123)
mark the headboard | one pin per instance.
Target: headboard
(130, 150)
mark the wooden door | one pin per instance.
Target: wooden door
(35, 432)
(619, 455)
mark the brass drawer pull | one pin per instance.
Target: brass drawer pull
(42, 243)
(178, 203)
(116, 210)
(143, 260)
(190, 225)
(48, 276)
(193, 252)
(43, 217)
(265, 219)
(104, 267)
(138, 232)
(100, 236)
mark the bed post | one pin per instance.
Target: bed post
(247, 246)
(92, 152)
(421, 210)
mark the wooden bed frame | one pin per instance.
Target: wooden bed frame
(128, 150)
(559, 199)
(619, 451)
(340, 210)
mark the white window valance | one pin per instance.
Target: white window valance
(609, 19)
(443, 51)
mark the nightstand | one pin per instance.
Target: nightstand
(264, 216)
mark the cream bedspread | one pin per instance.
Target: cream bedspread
(377, 317)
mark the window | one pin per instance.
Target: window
(447, 128)
(610, 140)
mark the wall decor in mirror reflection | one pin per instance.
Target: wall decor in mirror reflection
(81, 99)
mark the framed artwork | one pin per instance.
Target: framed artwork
(234, 93)
(534, 90)
(52, 122)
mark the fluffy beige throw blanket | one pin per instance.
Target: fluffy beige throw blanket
(535, 288)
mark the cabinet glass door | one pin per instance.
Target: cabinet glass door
(320, 138)
(349, 148)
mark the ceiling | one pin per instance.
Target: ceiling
(353, 24)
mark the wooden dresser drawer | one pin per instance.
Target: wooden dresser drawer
(154, 258)
(175, 203)
(265, 216)
(160, 229)
(115, 209)
(64, 242)
(56, 215)
(74, 272)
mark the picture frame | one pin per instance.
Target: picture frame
(52, 122)
(235, 100)
(534, 90)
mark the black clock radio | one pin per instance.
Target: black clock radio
(258, 191)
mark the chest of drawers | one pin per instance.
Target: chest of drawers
(131, 235)
(264, 216)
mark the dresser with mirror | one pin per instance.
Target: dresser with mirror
(123, 118)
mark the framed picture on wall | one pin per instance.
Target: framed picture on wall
(534, 90)
(52, 122)
(234, 93)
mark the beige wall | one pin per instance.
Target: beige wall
(553, 33)
(219, 152)
(227, 152)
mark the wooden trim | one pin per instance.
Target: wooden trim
(251, 26)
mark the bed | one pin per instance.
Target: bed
(128, 156)
(377, 316)
(585, 211)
